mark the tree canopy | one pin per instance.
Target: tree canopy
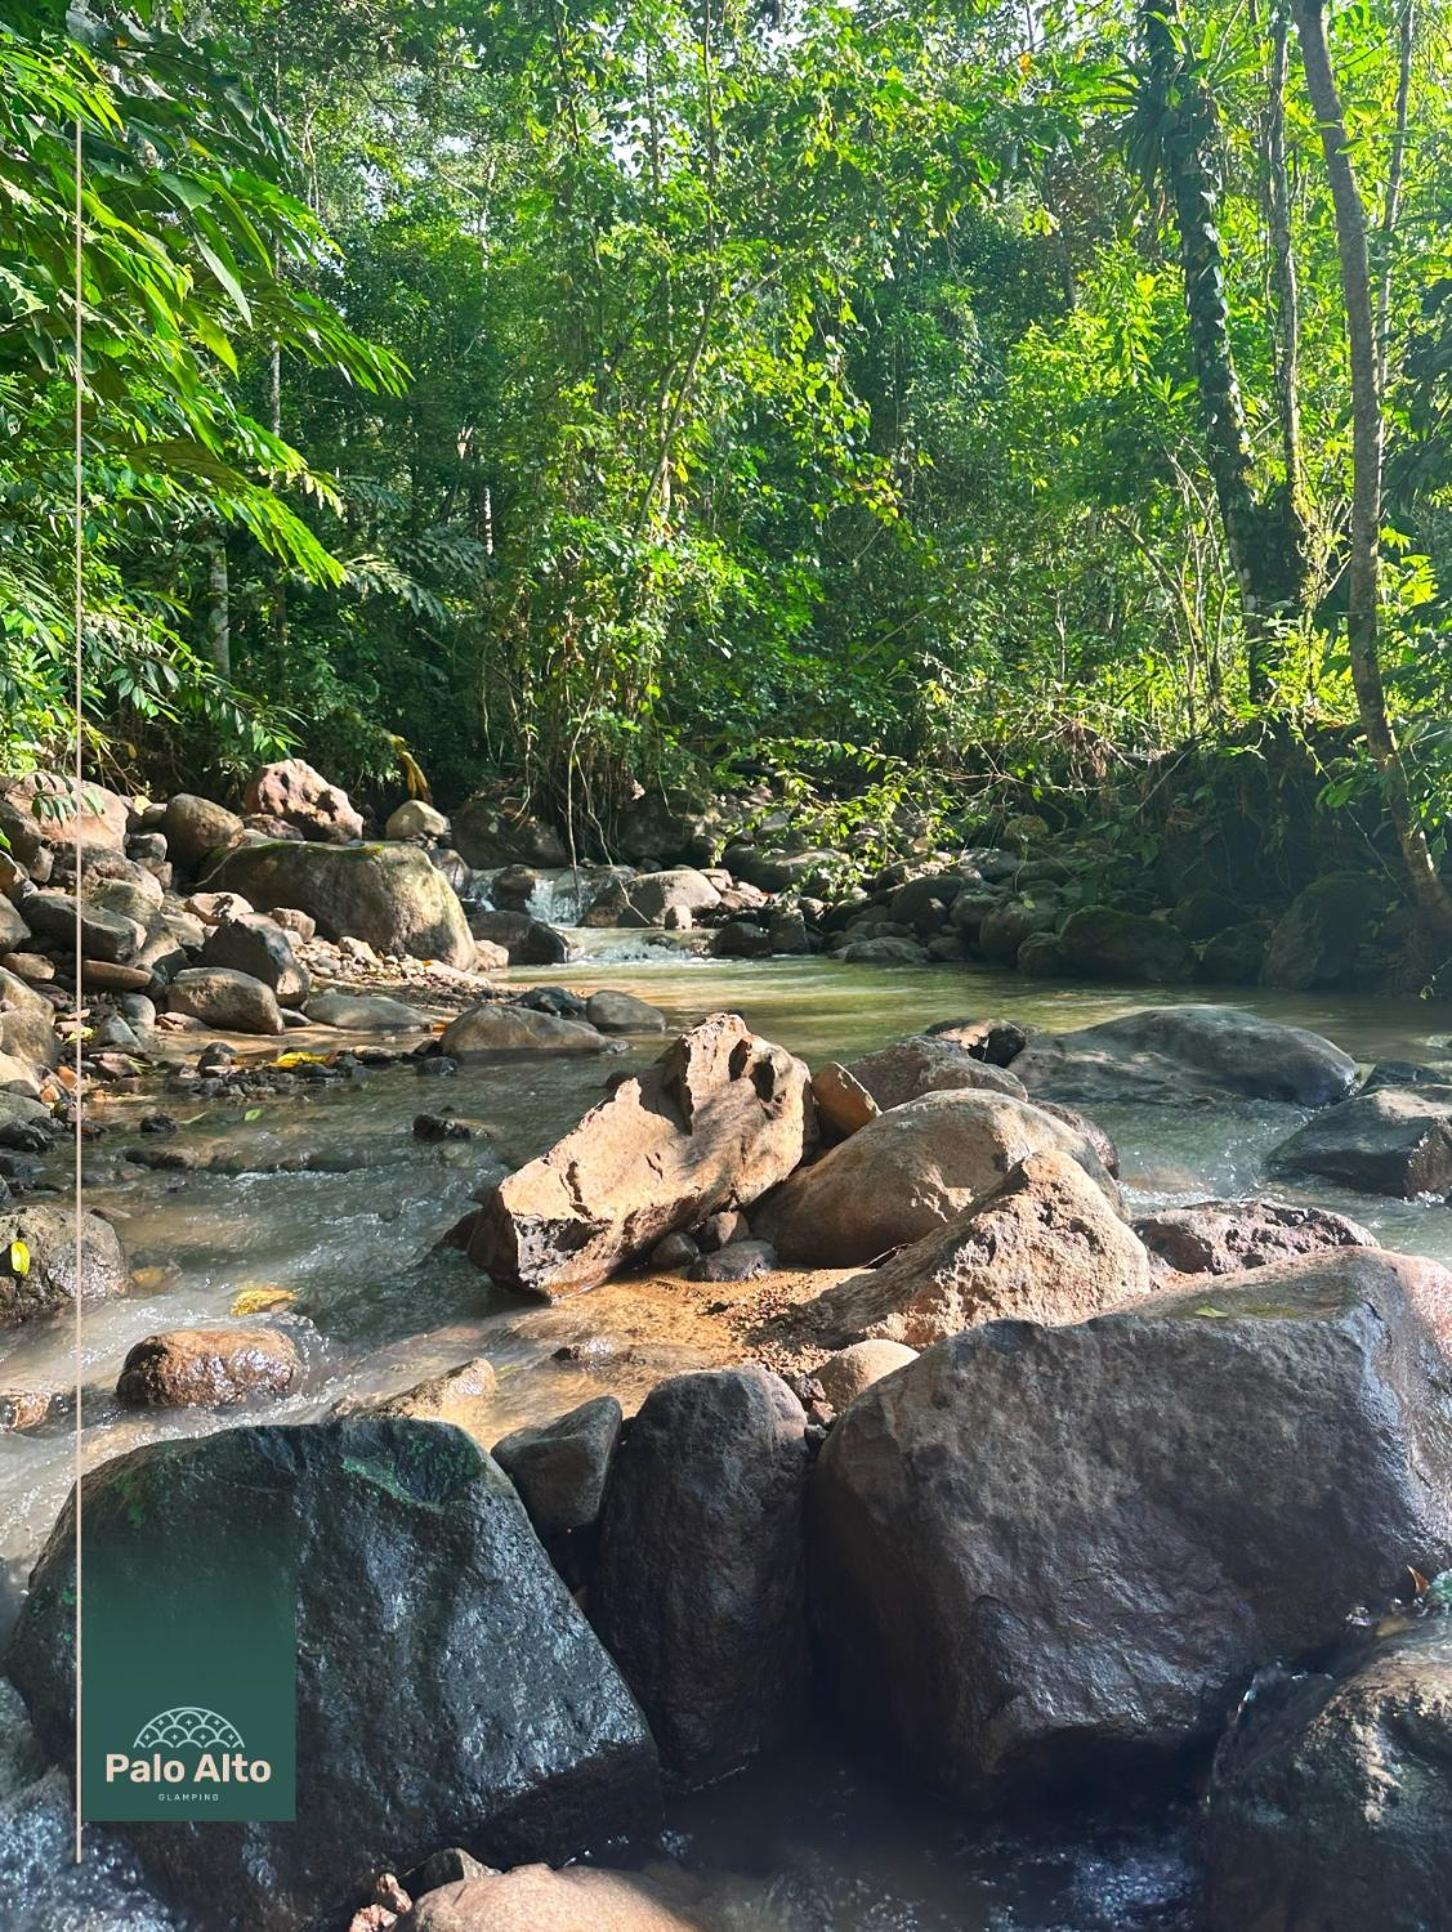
(605, 392)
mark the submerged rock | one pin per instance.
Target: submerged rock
(1176, 1053)
(909, 1173)
(207, 1367)
(699, 1596)
(1393, 1140)
(1225, 1237)
(1040, 1551)
(1046, 1245)
(447, 1685)
(462, 1396)
(721, 1117)
(389, 895)
(616, 1012)
(1331, 1804)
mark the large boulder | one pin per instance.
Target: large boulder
(667, 825)
(1046, 1245)
(615, 1012)
(1038, 1551)
(232, 1002)
(496, 1027)
(110, 936)
(1176, 1053)
(195, 826)
(389, 895)
(534, 1899)
(291, 792)
(1107, 942)
(1392, 1140)
(38, 1271)
(1331, 1803)
(258, 946)
(700, 1592)
(416, 819)
(910, 1172)
(908, 1069)
(646, 899)
(490, 832)
(446, 1682)
(1227, 1237)
(40, 810)
(1318, 939)
(721, 1117)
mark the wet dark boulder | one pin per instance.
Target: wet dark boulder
(1318, 940)
(700, 1592)
(1037, 1552)
(1331, 1803)
(560, 1468)
(1176, 1053)
(1234, 957)
(1392, 1140)
(449, 1692)
(1227, 1237)
(1109, 942)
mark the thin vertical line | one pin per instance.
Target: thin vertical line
(77, 1102)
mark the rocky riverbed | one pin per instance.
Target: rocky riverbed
(870, 1367)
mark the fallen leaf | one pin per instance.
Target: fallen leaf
(255, 1301)
(19, 1259)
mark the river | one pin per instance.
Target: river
(328, 1200)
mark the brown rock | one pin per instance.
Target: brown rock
(195, 826)
(721, 1117)
(301, 797)
(43, 1278)
(911, 1171)
(40, 810)
(194, 1367)
(497, 1027)
(843, 1104)
(1225, 1237)
(846, 1374)
(1046, 1245)
(463, 1396)
(532, 1898)
(910, 1068)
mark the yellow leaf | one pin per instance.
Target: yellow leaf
(19, 1259)
(255, 1301)
(286, 1060)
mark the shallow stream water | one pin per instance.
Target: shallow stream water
(328, 1197)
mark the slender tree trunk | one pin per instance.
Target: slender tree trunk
(1363, 567)
(1284, 283)
(1267, 551)
(1392, 207)
(217, 638)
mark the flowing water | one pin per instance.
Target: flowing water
(326, 1198)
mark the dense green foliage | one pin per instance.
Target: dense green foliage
(781, 379)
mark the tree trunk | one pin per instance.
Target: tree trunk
(1363, 564)
(217, 638)
(1266, 545)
